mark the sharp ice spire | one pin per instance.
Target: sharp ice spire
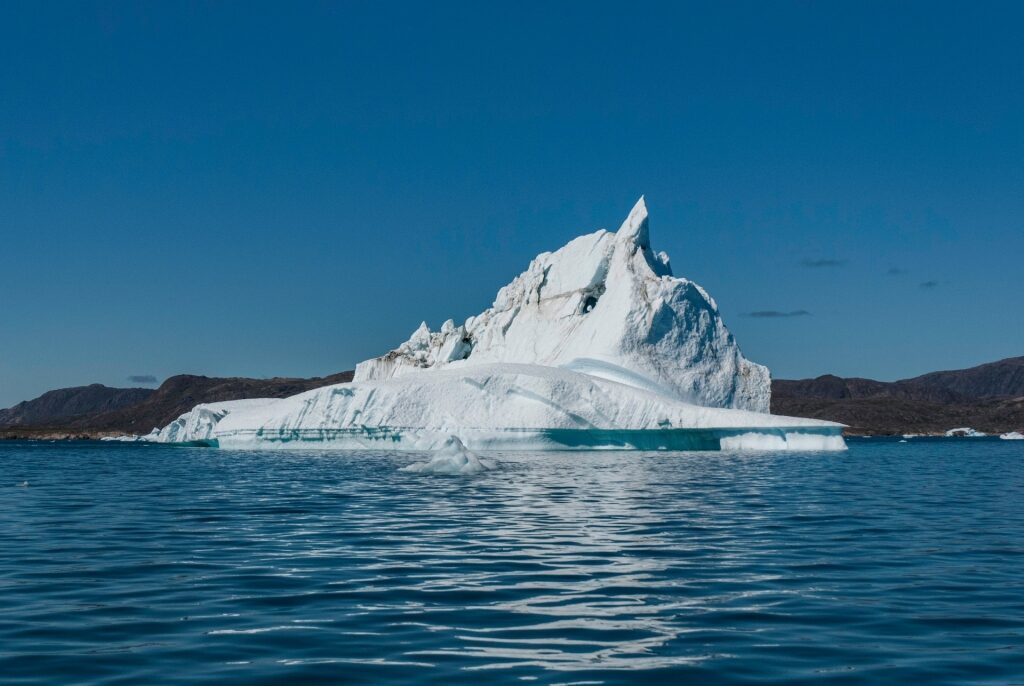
(635, 227)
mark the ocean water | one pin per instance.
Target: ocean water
(889, 563)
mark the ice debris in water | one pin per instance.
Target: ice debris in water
(1012, 436)
(450, 457)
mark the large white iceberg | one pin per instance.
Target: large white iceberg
(595, 345)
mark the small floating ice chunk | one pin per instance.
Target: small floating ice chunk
(965, 432)
(451, 457)
(1012, 436)
(790, 440)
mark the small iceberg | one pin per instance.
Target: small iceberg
(1012, 436)
(451, 457)
(965, 432)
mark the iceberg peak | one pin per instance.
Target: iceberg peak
(635, 229)
(421, 336)
(607, 305)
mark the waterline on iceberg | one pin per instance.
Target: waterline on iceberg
(411, 439)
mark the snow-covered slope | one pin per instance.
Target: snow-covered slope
(607, 305)
(595, 345)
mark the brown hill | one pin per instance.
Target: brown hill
(989, 397)
(181, 393)
(158, 408)
(887, 415)
(64, 403)
(1002, 379)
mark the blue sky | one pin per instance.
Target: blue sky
(286, 189)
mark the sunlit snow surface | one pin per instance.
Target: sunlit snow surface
(594, 346)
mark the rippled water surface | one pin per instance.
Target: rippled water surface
(891, 563)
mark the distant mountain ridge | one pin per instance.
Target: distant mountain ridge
(181, 393)
(98, 413)
(65, 403)
(831, 387)
(1002, 379)
(989, 397)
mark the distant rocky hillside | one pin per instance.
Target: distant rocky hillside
(1002, 379)
(989, 397)
(64, 403)
(175, 396)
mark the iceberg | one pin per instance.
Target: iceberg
(595, 346)
(451, 457)
(965, 432)
(1012, 436)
